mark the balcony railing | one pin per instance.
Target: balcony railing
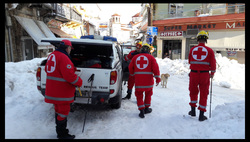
(213, 10)
(229, 9)
(67, 12)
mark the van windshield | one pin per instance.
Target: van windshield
(92, 55)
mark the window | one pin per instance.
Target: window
(241, 8)
(231, 8)
(118, 51)
(116, 55)
(85, 55)
(175, 10)
(235, 8)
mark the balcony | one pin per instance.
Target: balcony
(228, 9)
(65, 14)
(207, 10)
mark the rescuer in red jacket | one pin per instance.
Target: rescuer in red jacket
(131, 80)
(60, 85)
(144, 67)
(202, 60)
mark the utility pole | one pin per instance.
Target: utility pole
(150, 14)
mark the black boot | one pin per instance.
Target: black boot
(192, 112)
(62, 132)
(141, 114)
(57, 121)
(202, 117)
(127, 97)
(148, 110)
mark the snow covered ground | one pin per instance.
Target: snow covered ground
(27, 116)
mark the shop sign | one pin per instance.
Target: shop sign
(231, 53)
(152, 30)
(172, 33)
(209, 26)
(103, 25)
(235, 25)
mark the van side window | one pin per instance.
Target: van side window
(118, 51)
(116, 55)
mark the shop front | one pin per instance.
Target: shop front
(170, 45)
(229, 43)
(172, 49)
(226, 36)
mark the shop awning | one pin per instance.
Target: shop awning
(223, 40)
(59, 32)
(73, 24)
(37, 30)
(45, 29)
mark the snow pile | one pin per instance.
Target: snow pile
(173, 67)
(15, 73)
(229, 73)
(226, 114)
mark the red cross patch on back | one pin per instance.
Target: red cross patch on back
(51, 66)
(141, 62)
(199, 53)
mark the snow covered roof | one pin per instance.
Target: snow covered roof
(115, 14)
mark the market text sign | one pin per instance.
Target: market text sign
(208, 26)
(235, 25)
(172, 33)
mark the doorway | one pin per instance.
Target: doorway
(27, 46)
(172, 49)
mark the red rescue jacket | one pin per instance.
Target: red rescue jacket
(130, 55)
(201, 58)
(144, 67)
(61, 79)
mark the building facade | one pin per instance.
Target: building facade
(27, 23)
(135, 25)
(115, 25)
(178, 25)
(120, 31)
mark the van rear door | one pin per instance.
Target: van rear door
(91, 58)
(101, 79)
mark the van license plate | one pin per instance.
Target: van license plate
(84, 94)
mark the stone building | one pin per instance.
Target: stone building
(27, 23)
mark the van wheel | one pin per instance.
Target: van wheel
(118, 99)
